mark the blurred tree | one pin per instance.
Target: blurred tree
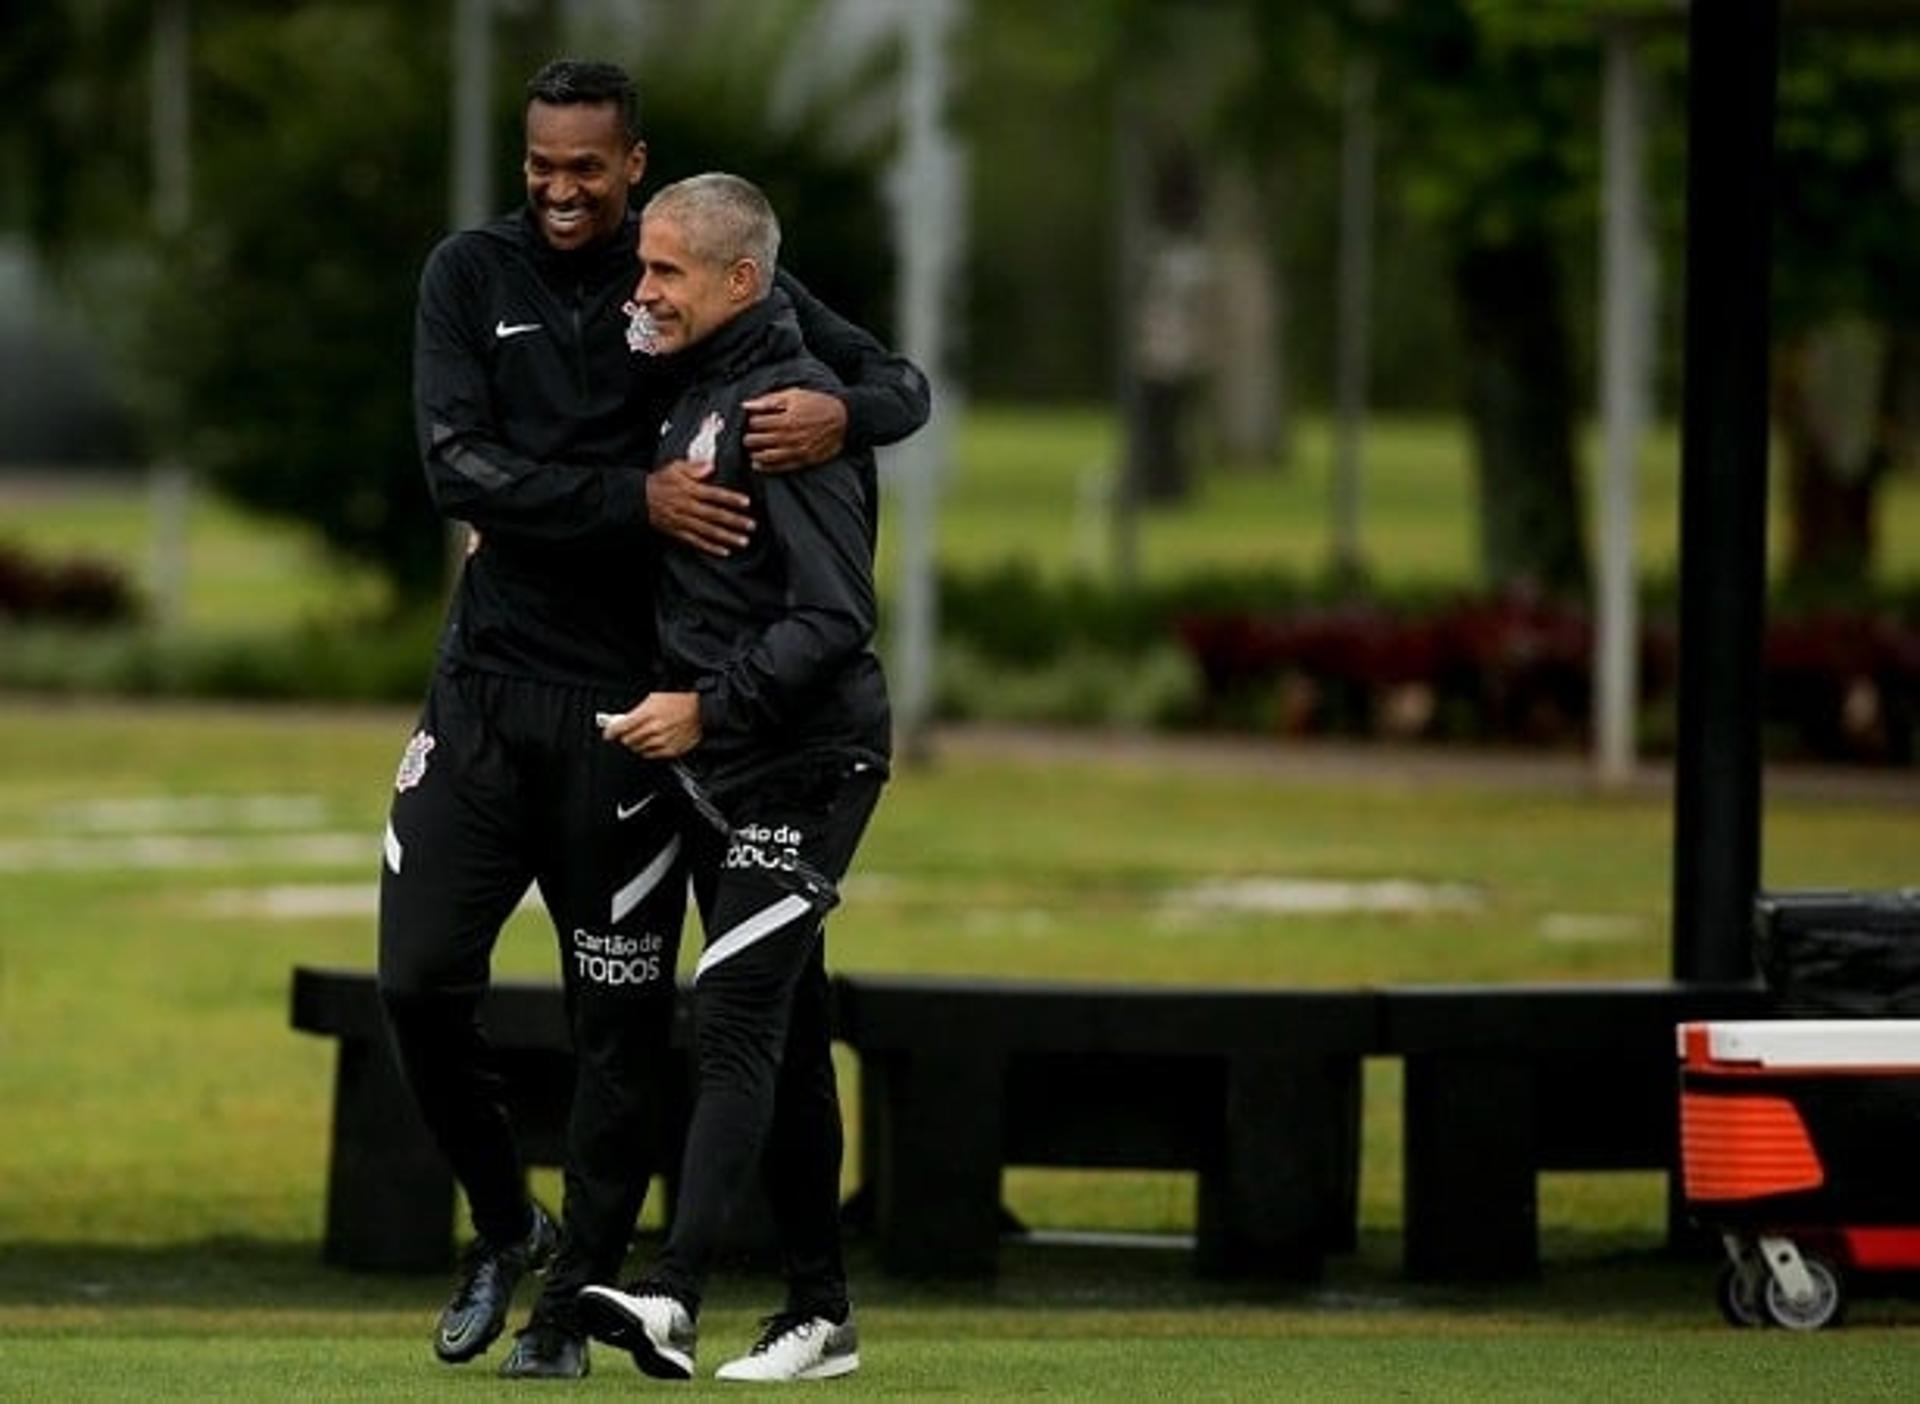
(1846, 362)
(715, 95)
(1492, 105)
(272, 339)
(73, 148)
(269, 345)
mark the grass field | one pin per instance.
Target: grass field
(163, 1133)
(161, 1165)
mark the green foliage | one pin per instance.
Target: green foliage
(73, 158)
(1084, 686)
(274, 338)
(1847, 212)
(343, 664)
(708, 102)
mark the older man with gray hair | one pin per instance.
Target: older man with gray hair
(775, 705)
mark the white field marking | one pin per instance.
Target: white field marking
(872, 887)
(304, 901)
(1008, 921)
(147, 814)
(132, 852)
(1589, 928)
(1283, 896)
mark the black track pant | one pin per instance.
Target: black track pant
(766, 1099)
(507, 783)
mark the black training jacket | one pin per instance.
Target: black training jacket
(536, 423)
(777, 638)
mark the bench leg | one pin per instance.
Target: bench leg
(389, 1191)
(1274, 1202)
(931, 1132)
(1471, 1207)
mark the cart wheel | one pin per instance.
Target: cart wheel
(1822, 1310)
(1738, 1294)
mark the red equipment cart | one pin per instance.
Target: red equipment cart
(1800, 1144)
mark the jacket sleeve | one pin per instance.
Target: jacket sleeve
(473, 474)
(886, 396)
(818, 520)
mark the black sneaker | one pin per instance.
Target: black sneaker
(488, 1274)
(546, 1351)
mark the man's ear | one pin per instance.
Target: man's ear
(636, 163)
(743, 280)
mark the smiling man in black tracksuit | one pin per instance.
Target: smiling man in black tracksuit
(774, 697)
(536, 419)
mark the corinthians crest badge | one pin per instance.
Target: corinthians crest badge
(413, 765)
(641, 336)
(706, 443)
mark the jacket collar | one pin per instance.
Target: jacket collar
(610, 254)
(766, 331)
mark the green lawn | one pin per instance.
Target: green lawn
(1028, 484)
(161, 1170)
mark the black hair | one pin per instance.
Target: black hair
(568, 82)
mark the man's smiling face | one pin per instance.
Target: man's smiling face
(580, 165)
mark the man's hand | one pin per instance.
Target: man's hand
(794, 429)
(662, 726)
(684, 506)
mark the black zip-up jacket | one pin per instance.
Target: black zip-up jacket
(536, 423)
(777, 638)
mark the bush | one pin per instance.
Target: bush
(1084, 687)
(388, 664)
(78, 591)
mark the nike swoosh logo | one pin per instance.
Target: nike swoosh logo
(503, 330)
(627, 811)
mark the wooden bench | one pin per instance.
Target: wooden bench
(1256, 1090)
(390, 1195)
(1504, 1081)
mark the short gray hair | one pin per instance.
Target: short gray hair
(724, 219)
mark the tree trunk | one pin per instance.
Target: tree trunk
(1520, 405)
(1837, 392)
(1249, 385)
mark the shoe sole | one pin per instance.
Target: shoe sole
(828, 1369)
(607, 1319)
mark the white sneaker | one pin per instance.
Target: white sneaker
(796, 1347)
(653, 1328)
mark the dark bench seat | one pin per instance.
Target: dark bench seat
(390, 1195)
(1256, 1090)
(1504, 1081)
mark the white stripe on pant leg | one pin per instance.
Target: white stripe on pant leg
(394, 853)
(630, 896)
(761, 924)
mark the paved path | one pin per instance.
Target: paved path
(1389, 764)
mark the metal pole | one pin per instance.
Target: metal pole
(1723, 497)
(928, 217)
(1129, 228)
(470, 179)
(1355, 307)
(1626, 344)
(470, 169)
(170, 482)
